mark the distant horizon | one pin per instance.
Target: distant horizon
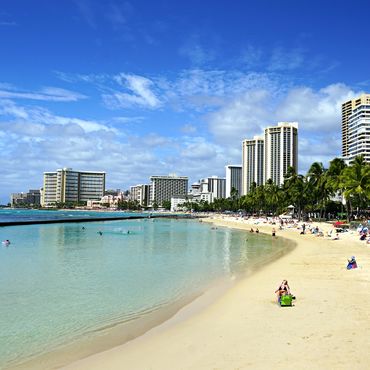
(131, 87)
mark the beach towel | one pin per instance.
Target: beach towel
(286, 300)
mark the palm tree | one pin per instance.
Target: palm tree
(273, 196)
(333, 183)
(295, 190)
(355, 180)
(317, 179)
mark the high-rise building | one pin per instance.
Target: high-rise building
(140, 193)
(217, 186)
(212, 188)
(348, 108)
(233, 179)
(65, 185)
(164, 187)
(281, 151)
(253, 154)
(356, 128)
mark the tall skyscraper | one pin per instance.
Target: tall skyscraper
(356, 128)
(281, 151)
(65, 185)
(164, 187)
(347, 109)
(233, 179)
(253, 154)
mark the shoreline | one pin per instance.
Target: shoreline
(157, 320)
(323, 330)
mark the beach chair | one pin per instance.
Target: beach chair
(286, 300)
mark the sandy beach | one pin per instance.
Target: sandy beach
(327, 328)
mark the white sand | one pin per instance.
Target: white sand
(328, 327)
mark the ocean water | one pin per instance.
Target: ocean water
(8, 215)
(60, 283)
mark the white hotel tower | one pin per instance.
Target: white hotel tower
(270, 156)
(66, 185)
(253, 152)
(356, 128)
(281, 150)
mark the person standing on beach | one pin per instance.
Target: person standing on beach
(273, 232)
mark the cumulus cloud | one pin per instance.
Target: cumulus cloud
(315, 109)
(244, 116)
(318, 113)
(227, 107)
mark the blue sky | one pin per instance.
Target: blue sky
(146, 88)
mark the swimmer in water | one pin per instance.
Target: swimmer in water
(100, 233)
(6, 242)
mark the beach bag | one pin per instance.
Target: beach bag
(286, 300)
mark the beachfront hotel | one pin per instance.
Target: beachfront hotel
(164, 187)
(356, 128)
(348, 108)
(140, 193)
(281, 151)
(65, 185)
(269, 157)
(233, 179)
(253, 152)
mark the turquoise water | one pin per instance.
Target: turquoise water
(59, 283)
(8, 214)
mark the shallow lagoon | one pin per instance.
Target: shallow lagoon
(60, 283)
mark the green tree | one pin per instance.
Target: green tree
(166, 204)
(355, 180)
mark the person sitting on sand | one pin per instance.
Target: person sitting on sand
(283, 289)
(257, 231)
(251, 230)
(352, 264)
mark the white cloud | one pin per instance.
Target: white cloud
(316, 110)
(139, 93)
(37, 115)
(242, 117)
(45, 94)
(227, 106)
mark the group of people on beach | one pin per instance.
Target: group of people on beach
(364, 233)
(273, 232)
